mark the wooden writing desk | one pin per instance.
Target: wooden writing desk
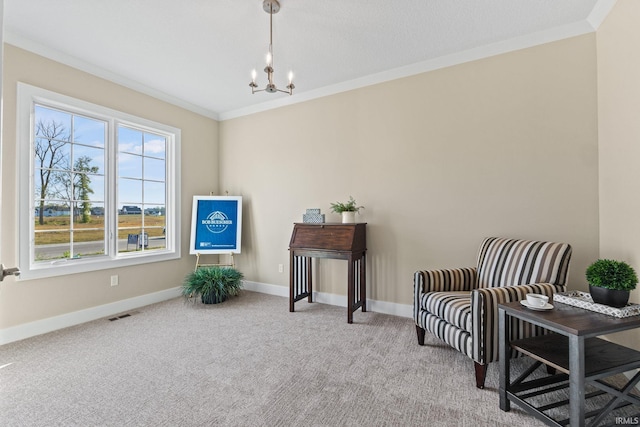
(328, 240)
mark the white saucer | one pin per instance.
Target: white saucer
(545, 307)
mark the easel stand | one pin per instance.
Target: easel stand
(230, 264)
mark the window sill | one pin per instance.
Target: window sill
(63, 268)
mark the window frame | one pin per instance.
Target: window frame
(28, 97)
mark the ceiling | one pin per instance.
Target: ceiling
(199, 53)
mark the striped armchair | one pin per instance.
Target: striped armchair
(460, 306)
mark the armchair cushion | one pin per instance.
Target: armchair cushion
(452, 307)
(509, 262)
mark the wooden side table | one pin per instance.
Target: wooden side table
(575, 351)
(328, 240)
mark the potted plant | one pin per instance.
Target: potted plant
(347, 210)
(214, 284)
(610, 282)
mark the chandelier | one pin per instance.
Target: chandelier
(271, 7)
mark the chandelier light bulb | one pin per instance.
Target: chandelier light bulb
(271, 7)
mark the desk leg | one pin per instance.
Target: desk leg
(309, 277)
(292, 282)
(300, 277)
(363, 282)
(503, 348)
(351, 291)
(576, 380)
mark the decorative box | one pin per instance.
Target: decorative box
(583, 300)
(314, 218)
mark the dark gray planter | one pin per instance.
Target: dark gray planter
(611, 297)
(212, 299)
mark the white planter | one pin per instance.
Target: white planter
(348, 217)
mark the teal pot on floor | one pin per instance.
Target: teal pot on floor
(611, 297)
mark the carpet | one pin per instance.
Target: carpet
(247, 361)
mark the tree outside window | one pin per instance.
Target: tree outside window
(99, 187)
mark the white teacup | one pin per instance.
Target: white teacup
(537, 300)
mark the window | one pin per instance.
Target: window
(99, 188)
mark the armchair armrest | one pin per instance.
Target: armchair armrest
(445, 280)
(456, 279)
(484, 314)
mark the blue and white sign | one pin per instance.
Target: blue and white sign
(216, 224)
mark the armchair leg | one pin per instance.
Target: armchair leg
(420, 333)
(481, 373)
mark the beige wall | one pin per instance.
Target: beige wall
(619, 138)
(506, 146)
(502, 146)
(29, 300)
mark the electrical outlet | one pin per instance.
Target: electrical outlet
(114, 280)
(280, 268)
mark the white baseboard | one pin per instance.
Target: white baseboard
(402, 310)
(265, 288)
(39, 327)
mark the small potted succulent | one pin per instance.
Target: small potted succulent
(348, 210)
(214, 284)
(610, 282)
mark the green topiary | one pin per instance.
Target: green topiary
(610, 274)
(213, 284)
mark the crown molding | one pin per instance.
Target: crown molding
(589, 25)
(600, 11)
(506, 46)
(79, 64)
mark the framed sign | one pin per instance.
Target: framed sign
(216, 225)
